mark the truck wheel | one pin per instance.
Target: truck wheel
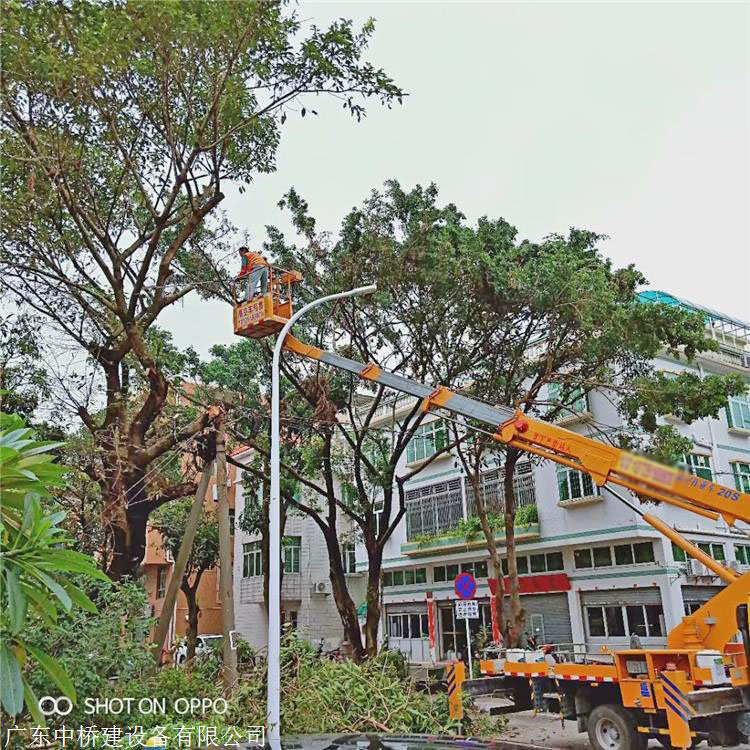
(610, 727)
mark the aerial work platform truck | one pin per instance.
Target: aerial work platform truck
(695, 689)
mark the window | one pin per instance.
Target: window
(537, 564)
(738, 412)
(602, 557)
(349, 558)
(477, 569)
(231, 522)
(742, 553)
(741, 472)
(643, 552)
(713, 549)
(252, 560)
(377, 509)
(575, 401)
(290, 551)
(624, 554)
(546, 563)
(412, 625)
(582, 558)
(161, 582)
(444, 573)
(408, 577)
(678, 554)
(698, 465)
(572, 484)
(289, 619)
(428, 439)
(619, 620)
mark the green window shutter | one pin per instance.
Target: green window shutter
(562, 483)
(729, 416)
(575, 482)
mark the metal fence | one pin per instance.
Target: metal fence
(492, 492)
(433, 509)
(438, 508)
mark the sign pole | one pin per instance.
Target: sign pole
(468, 645)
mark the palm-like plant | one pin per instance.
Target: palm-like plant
(36, 565)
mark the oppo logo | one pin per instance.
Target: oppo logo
(49, 706)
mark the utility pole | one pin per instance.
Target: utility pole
(229, 672)
(178, 571)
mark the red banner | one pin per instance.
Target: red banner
(431, 620)
(495, 620)
(540, 584)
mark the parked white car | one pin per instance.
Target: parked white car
(204, 644)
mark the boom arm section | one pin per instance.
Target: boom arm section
(605, 463)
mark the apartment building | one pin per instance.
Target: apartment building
(307, 604)
(592, 572)
(157, 569)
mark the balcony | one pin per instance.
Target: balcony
(434, 512)
(460, 543)
(251, 589)
(729, 356)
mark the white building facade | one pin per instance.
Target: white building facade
(592, 571)
(307, 604)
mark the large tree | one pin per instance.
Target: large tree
(565, 323)
(345, 460)
(123, 122)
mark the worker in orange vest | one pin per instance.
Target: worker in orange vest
(255, 266)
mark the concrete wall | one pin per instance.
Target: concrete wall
(316, 613)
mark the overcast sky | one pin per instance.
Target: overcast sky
(628, 119)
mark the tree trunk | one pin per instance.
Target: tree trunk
(193, 613)
(344, 604)
(516, 620)
(489, 537)
(375, 564)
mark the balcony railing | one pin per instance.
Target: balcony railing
(434, 509)
(492, 491)
(730, 357)
(438, 508)
(251, 589)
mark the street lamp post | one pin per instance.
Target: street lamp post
(274, 526)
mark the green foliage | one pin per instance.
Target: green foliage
(36, 567)
(685, 395)
(105, 653)
(24, 384)
(171, 521)
(470, 528)
(527, 515)
(112, 184)
(322, 696)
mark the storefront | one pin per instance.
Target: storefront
(612, 617)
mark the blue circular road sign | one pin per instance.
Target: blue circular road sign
(465, 586)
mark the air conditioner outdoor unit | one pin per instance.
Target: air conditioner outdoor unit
(321, 587)
(689, 565)
(746, 360)
(733, 565)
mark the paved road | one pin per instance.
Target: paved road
(545, 729)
